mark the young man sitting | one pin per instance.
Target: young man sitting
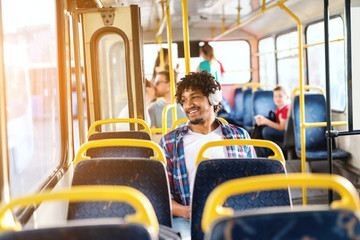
(199, 94)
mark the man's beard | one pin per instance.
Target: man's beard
(197, 121)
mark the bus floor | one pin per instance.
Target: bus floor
(314, 196)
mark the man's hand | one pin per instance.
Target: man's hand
(179, 210)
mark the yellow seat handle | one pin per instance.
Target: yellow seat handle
(144, 211)
(241, 142)
(184, 120)
(119, 142)
(307, 87)
(118, 120)
(214, 204)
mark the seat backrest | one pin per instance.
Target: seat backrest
(248, 117)
(211, 173)
(263, 103)
(146, 175)
(315, 111)
(120, 151)
(289, 135)
(309, 224)
(239, 104)
(83, 232)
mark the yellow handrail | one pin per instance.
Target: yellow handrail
(307, 87)
(118, 120)
(80, 156)
(145, 213)
(164, 117)
(186, 35)
(171, 69)
(250, 84)
(214, 204)
(323, 124)
(302, 98)
(183, 120)
(278, 155)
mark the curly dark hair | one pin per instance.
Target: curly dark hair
(203, 81)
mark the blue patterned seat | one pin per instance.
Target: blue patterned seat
(239, 104)
(284, 225)
(146, 175)
(316, 143)
(248, 113)
(87, 231)
(263, 103)
(120, 151)
(211, 173)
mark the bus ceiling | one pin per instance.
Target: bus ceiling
(209, 18)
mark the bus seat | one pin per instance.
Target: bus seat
(211, 173)
(263, 103)
(288, 144)
(316, 224)
(141, 225)
(120, 151)
(146, 175)
(239, 104)
(340, 221)
(247, 110)
(86, 231)
(316, 142)
(227, 113)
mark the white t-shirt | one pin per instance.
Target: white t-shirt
(192, 143)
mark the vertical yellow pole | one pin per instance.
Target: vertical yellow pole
(223, 19)
(238, 16)
(171, 70)
(212, 32)
(159, 41)
(302, 97)
(186, 36)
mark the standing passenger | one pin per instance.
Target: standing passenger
(210, 64)
(199, 95)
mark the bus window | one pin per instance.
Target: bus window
(32, 92)
(288, 59)
(267, 67)
(316, 60)
(235, 57)
(112, 77)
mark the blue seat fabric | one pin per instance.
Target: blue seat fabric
(263, 103)
(87, 232)
(211, 173)
(146, 175)
(120, 151)
(315, 224)
(248, 114)
(239, 104)
(316, 142)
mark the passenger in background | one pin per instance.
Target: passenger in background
(157, 67)
(163, 92)
(210, 64)
(200, 96)
(149, 98)
(274, 131)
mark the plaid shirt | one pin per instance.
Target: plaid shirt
(173, 146)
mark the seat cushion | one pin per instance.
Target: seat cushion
(319, 225)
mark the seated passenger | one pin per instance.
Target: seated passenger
(149, 98)
(199, 95)
(274, 131)
(162, 91)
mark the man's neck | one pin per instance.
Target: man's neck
(167, 98)
(204, 128)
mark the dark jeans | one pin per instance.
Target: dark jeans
(271, 134)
